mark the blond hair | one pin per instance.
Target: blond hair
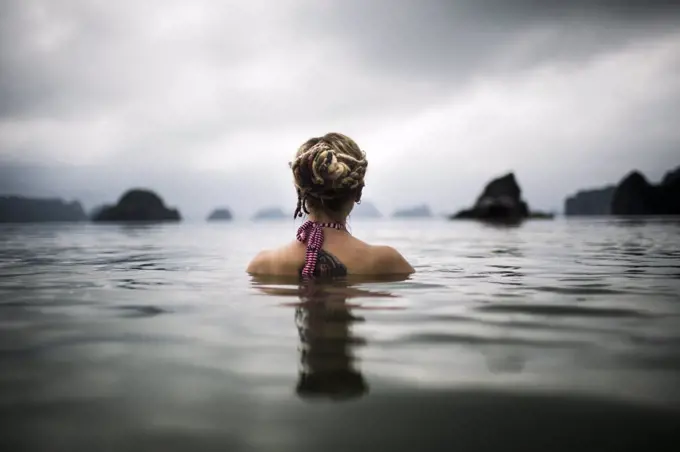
(328, 171)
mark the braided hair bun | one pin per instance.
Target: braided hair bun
(329, 168)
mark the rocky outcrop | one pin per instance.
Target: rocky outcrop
(96, 210)
(421, 211)
(222, 214)
(590, 202)
(365, 209)
(636, 196)
(671, 178)
(670, 193)
(18, 209)
(137, 205)
(500, 201)
(270, 213)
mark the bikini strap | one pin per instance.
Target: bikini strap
(311, 233)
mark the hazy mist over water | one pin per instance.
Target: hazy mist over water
(559, 335)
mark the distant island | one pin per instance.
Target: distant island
(636, 196)
(420, 211)
(137, 205)
(270, 213)
(596, 201)
(365, 209)
(220, 214)
(500, 201)
(92, 214)
(19, 209)
(633, 195)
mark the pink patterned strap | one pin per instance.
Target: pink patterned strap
(311, 233)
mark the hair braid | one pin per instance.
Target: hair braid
(330, 168)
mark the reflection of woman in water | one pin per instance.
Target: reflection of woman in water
(329, 177)
(323, 320)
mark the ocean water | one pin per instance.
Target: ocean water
(555, 335)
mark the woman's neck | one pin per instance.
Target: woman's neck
(323, 218)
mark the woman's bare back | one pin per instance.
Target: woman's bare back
(341, 253)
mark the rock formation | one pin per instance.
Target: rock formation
(96, 210)
(365, 210)
(221, 214)
(421, 211)
(271, 213)
(671, 178)
(590, 202)
(636, 196)
(18, 209)
(501, 201)
(137, 205)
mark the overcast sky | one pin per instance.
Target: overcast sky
(207, 101)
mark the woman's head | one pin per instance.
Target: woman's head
(329, 175)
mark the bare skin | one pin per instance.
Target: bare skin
(359, 257)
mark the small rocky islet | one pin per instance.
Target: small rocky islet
(220, 214)
(365, 210)
(590, 202)
(634, 195)
(500, 201)
(419, 211)
(271, 213)
(137, 205)
(21, 209)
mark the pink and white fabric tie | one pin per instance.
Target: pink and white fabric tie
(311, 233)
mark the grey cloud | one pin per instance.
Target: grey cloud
(454, 40)
(76, 63)
(522, 10)
(77, 58)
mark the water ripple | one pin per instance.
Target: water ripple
(162, 324)
(557, 310)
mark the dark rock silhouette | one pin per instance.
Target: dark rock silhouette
(18, 209)
(596, 201)
(500, 201)
(221, 214)
(421, 211)
(670, 193)
(137, 205)
(96, 211)
(270, 213)
(636, 196)
(671, 178)
(365, 209)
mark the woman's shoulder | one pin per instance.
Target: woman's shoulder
(274, 261)
(387, 259)
(377, 259)
(260, 263)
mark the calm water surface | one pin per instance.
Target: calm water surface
(560, 335)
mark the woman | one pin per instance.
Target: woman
(329, 177)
